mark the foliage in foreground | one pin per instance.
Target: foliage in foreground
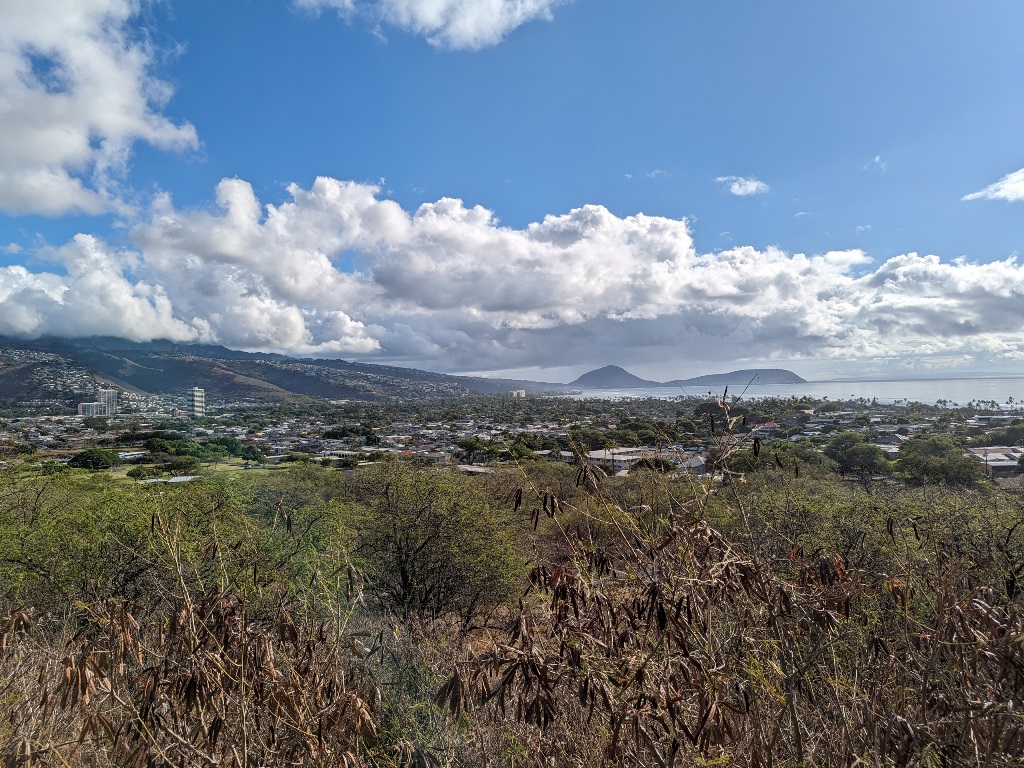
(684, 644)
(776, 620)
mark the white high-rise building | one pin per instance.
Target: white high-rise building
(196, 402)
(109, 398)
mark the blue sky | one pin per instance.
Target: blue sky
(801, 169)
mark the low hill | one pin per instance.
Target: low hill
(611, 377)
(744, 376)
(614, 377)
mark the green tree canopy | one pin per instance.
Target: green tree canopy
(655, 464)
(936, 459)
(1011, 435)
(853, 452)
(212, 454)
(157, 445)
(230, 444)
(476, 449)
(866, 459)
(840, 446)
(184, 465)
(143, 473)
(252, 453)
(94, 458)
(431, 544)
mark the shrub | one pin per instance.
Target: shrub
(144, 472)
(431, 544)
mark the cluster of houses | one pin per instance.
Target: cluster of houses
(437, 442)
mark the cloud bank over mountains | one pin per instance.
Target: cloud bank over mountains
(337, 269)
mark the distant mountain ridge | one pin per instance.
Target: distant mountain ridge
(165, 367)
(614, 377)
(743, 376)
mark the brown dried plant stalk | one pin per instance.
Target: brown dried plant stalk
(221, 669)
(655, 639)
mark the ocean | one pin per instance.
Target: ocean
(1004, 390)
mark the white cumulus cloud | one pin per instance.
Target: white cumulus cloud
(94, 296)
(337, 269)
(76, 93)
(744, 186)
(457, 24)
(1010, 188)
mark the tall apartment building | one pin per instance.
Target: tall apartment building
(196, 402)
(109, 398)
(92, 409)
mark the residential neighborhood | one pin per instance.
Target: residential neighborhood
(678, 435)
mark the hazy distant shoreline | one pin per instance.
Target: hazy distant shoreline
(959, 390)
(919, 378)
